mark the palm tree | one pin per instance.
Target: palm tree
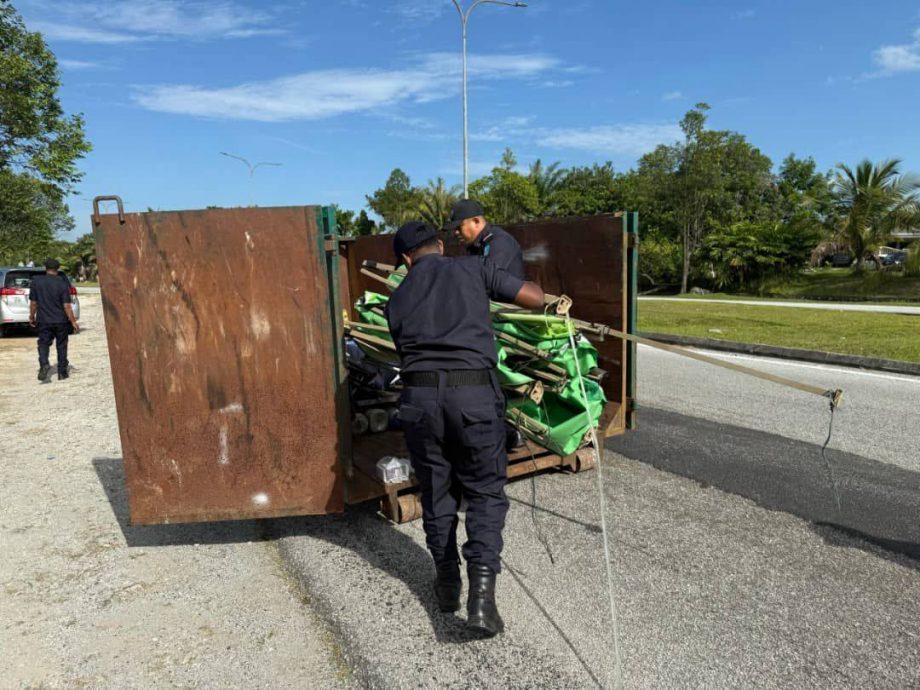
(435, 202)
(546, 180)
(872, 202)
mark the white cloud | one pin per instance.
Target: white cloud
(420, 10)
(64, 32)
(327, 93)
(899, 58)
(625, 140)
(78, 64)
(672, 96)
(125, 21)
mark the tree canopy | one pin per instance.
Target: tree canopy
(39, 144)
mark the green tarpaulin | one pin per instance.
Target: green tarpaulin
(530, 349)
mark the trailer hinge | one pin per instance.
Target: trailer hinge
(632, 241)
(331, 245)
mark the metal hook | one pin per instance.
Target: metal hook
(97, 218)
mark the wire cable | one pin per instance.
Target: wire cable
(618, 668)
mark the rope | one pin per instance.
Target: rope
(827, 462)
(618, 669)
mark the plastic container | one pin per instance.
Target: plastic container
(393, 470)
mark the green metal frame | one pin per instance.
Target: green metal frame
(632, 305)
(328, 239)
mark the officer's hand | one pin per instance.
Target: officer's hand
(32, 322)
(76, 327)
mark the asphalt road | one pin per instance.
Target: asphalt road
(742, 572)
(834, 306)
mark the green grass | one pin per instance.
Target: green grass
(889, 336)
(844, 284)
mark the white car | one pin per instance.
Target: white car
(14, 297)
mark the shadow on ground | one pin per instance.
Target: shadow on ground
(879, 502)
(360, 530)
(111, 473)
(385, 547)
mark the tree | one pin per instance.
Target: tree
(546, 180)
(435, 202)
(344, 221)
(748, 252)
(586, 191)
(873, 201)
(397, 202)
(31, 214)
(364, 225)
(711, 179)
(506, 196)
(39, 144)
(509, 160)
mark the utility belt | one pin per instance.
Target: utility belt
(457, 377)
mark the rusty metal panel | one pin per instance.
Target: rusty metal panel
(222, 352)
(584, 258)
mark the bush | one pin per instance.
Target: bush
(659, 262)
(912, 262)
(748, 253)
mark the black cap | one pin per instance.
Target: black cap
(460, 211)
(52, 264)
(410, 235)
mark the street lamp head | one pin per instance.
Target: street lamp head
(520, 4)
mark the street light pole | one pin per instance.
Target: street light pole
(464, 19)
(252, 168)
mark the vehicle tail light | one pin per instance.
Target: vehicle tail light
(73, 291)
(7, 292)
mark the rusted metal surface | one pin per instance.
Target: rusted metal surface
(221, 345)
(582, 258)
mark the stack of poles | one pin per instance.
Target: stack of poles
(546, 376)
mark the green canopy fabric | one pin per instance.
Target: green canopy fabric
(533, 348)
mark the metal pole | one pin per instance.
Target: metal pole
(464, 19)
(252, 169)
(466, 141)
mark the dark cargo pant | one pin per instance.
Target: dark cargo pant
(456, 439)
(59, 334)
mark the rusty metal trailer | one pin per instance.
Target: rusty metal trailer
(225, 334)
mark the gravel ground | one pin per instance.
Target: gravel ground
(88, 601)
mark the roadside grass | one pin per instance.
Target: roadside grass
(86, 283)
(889, 336)
(843, 284)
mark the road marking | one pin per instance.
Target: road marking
(803, 365)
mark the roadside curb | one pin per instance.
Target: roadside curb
(890, 366)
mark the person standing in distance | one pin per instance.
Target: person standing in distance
(468, 221)
(452, 409)
(51, 312)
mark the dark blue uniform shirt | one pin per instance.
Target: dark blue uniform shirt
(439, 315)
(499, 247)
(51, 293)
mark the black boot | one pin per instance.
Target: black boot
(482, 613)
(44, 373)
(447, 586)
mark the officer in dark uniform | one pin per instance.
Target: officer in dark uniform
(51, 312)
(481, 238)
(452, 408)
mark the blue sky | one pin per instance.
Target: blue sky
(342, 91)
